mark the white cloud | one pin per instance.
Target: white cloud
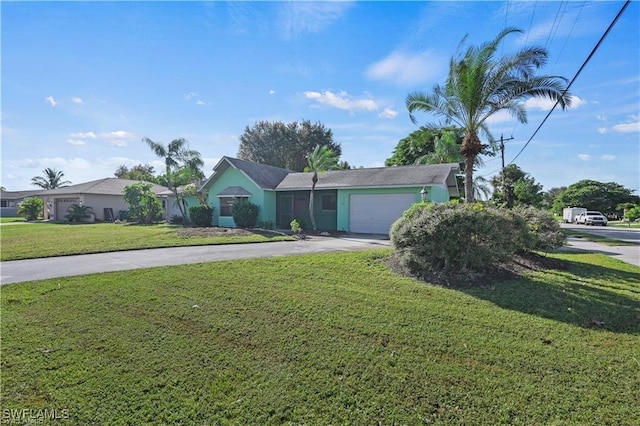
(77, 100)
(545, 104)
(501, 116)
(341, 100)
(633, 127)
(608, 157)
(76, 142)
(189, 96)
(584, 157)
(272, 92)
(51, 101)
(118, 138)
(81, 135)
(299, 17)
(201, 103)
(602, 130)
(388, 113)
(601, 117)
(56, 162)
(407, 69)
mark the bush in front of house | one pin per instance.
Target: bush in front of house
(543, 232)
(30, 208)
(78, 213)
(201, 216)
(446, 237)
(144, 205)
(245, 213)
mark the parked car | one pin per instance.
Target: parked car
(591, 218)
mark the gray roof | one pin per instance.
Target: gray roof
(398, 176)
(234, 191)
(264, 176)
(16, 195)
(106, 186)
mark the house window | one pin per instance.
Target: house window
(328, 202)
(226, 203)
(5, 203)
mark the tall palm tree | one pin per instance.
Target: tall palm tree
(176, 156)
(321, 159)
(52, 179)
(479, 85)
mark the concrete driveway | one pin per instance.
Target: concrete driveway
(54, 267)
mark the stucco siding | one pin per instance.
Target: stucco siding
(233, 177)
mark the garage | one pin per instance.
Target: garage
(62, 205)
(375, 213)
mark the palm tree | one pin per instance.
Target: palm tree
(321, 159)
(176, 156)
(479, 85)
(52, 179)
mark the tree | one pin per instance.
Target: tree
(594, 195)
(632, 214)
(479, 85)
(321, 159)
(284, 145)
(513, 187)
(52, 179)
(30, 208)
(144, 206)
(551, 195)
(143, 172)
(78, 212)
(179, 160)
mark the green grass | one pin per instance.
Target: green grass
(326, 339)
(621, 224)
(52, 239)
(598, 239)
(12, 219)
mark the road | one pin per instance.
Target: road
(629, 254)
(630, 235)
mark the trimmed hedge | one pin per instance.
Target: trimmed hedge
(201, 216)
(245, 213)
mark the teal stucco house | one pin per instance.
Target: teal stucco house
(356, 201)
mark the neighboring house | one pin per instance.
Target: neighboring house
(104, 196)
(356, 200)
(9, 201)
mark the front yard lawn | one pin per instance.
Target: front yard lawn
(29, 241)
(325, 339)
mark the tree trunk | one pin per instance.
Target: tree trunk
(313, 190)
(470, 149)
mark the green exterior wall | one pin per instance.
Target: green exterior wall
(326, 220)
(233, 177)
(436, 194)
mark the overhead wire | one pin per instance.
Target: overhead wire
(584, 64)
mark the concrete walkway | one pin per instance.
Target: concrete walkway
(64, 266)
(629, 254)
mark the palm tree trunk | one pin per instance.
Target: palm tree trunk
(468, 178)
(313, 190)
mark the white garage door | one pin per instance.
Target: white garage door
(62, 205)
(375, 213)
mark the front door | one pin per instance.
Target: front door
(285, 215)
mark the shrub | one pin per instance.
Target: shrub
(296, 227)
(176, 219)
(201, 215)
(266, 224)
(78, 213)
(30, 208)
(457, 237)
(144, 206)
(543, 232)
(245, 213)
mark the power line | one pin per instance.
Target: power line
(584, 64)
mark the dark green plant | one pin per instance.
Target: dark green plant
(201, 216)
(144, 206)
(30, 208)
(78, 213)
(543, 231)
(296, 227)
(245, 213)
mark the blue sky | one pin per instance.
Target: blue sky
(84, 82)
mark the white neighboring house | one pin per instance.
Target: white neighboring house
(104, 196)
(9, 201)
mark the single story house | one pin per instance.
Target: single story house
(104, 196)
(356, 200)
(9, 201)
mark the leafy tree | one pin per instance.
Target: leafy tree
(77, 213)
(284, 145)
(480, 85)
(30, 208)
(421, 143)
(551, 195)
(321, 159)
(594, 195)
(144, 206)
(143, 172)
(513, 187)
(632, 214)
(446, 149)
(179, 161)
(52, 179)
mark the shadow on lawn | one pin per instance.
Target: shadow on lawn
(585, 295)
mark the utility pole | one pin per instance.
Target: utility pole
(502, 140)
